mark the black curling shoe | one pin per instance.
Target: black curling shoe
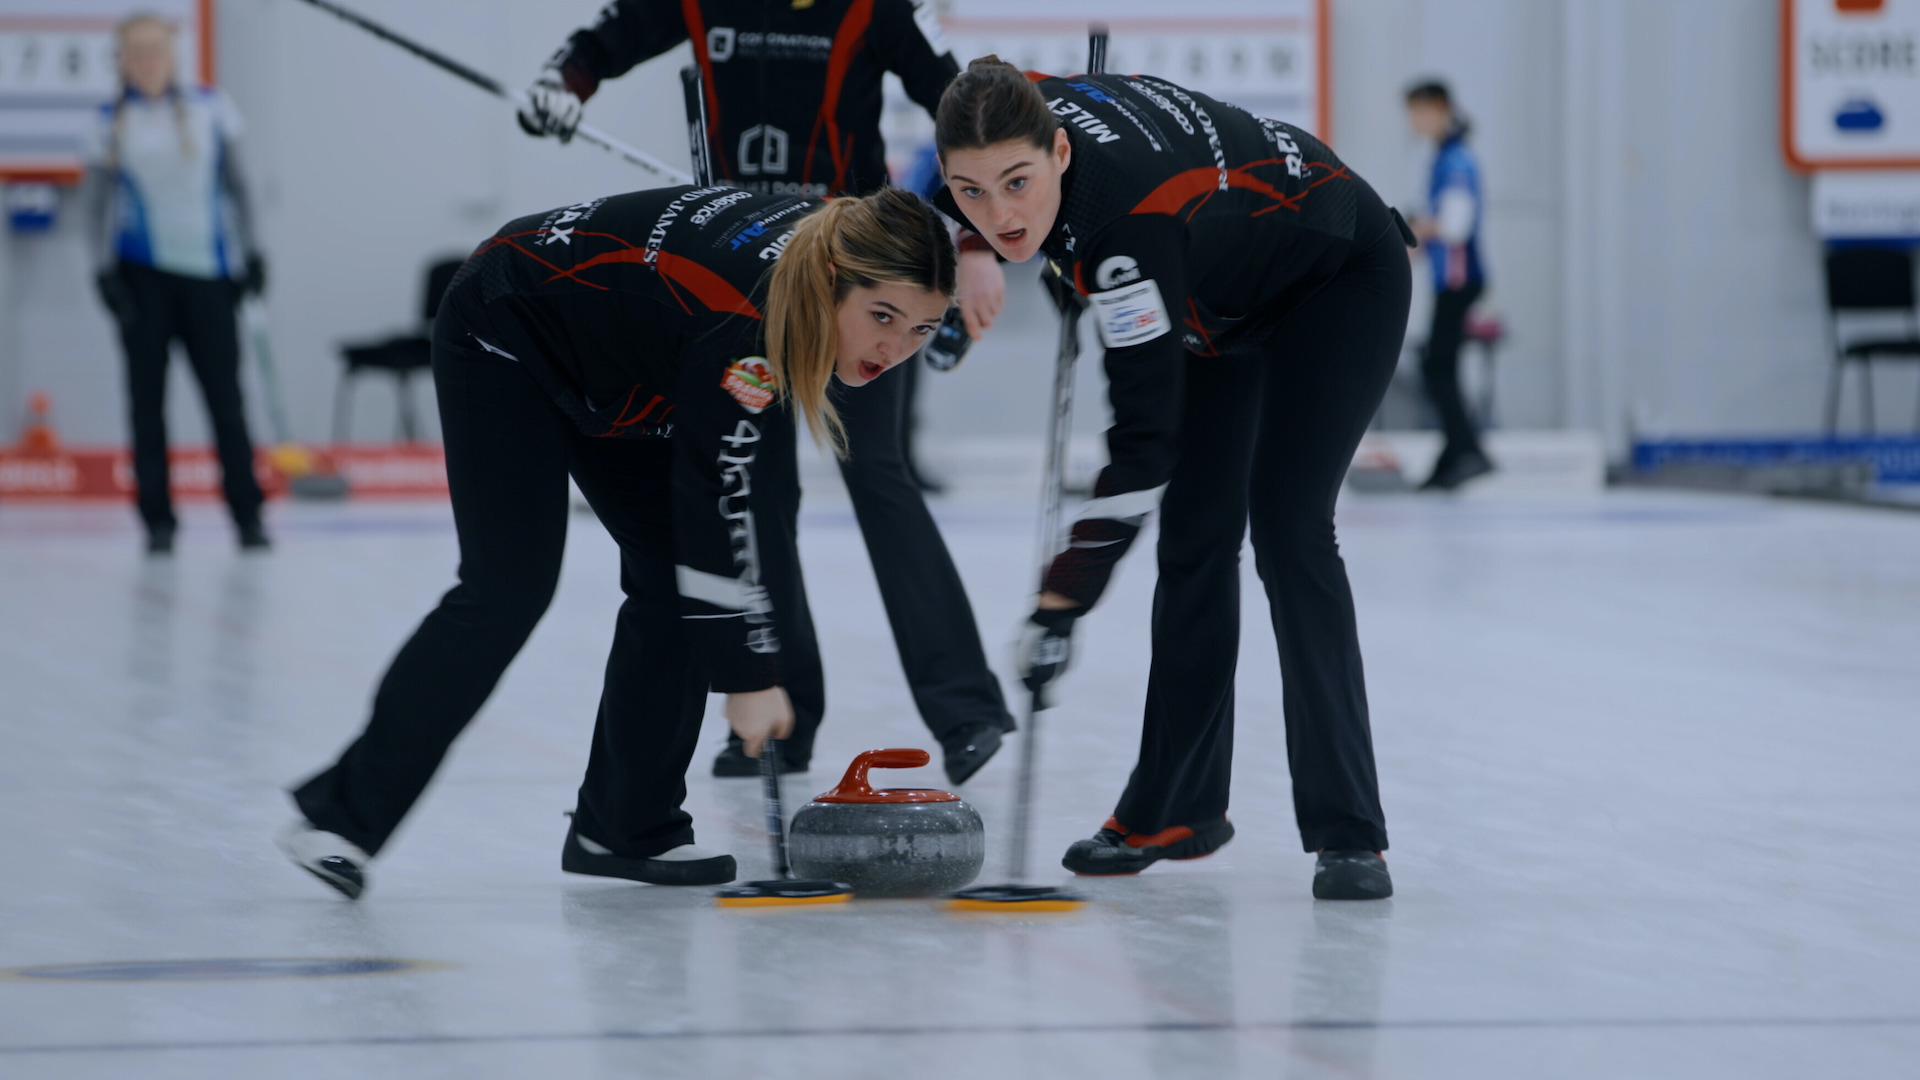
(684, 865)
(160, 540)
(1451, 475)
(733, 762)
(1351, 875)
(970, 748)
(1115, 851)
(253, 537)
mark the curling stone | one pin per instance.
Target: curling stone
(890, 842)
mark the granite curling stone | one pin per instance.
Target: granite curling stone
(894, 842)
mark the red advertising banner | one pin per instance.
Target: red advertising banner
(106, 473)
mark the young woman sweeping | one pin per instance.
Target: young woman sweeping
(1251, 293)
(653, 346)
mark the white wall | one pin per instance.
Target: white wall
(1649, 250)
(367, 164)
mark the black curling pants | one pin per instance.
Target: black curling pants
(1440, 370)
(927, 606)
(199, 313)
(1266, 436)
(509, 453)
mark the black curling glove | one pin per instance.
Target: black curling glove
(117, 295)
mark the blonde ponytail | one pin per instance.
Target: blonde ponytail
(887, 237)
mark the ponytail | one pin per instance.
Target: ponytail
(887, 237)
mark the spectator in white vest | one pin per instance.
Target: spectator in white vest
(174, 251)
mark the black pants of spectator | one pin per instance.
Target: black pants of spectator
(199, 313)
(1267, 433)
(1440, 370)
(509, 452)
(927, 606)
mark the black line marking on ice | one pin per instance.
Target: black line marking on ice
(226, 970)
(1161, 1028)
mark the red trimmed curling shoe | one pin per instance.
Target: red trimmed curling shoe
(1115, 850)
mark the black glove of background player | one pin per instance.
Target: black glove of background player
(254, 281)
(117, 295)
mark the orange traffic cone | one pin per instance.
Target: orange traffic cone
(38, 437)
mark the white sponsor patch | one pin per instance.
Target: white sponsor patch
(1116, 272)
(929, 24)
(1130, 315)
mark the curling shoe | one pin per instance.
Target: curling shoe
(253, 536)
(333, 859)
(966, 750)
(1452, 475)
(684, 865)
(733, 762)
(1115, 851)
(1351, 875)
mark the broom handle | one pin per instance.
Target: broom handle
(776, 821)
(585, 132)
(1059, 429)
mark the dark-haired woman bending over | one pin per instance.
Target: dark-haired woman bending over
(1251, 293)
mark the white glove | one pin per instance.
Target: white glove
(1044, 650)
(550, 108)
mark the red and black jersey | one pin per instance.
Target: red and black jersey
(640, 315)
(793, 90)
(1182, 220)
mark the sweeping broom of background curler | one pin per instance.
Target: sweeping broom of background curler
(1014, 896)
(783, 889)
(585, 132)
(309, 475)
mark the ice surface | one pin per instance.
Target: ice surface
(1648, 763)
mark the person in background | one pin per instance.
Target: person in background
(174, 250)
(793, 108)
(1450, 233)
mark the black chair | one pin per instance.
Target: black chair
(1861, 279)
(402, 356)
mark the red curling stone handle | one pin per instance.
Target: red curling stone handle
(854, 788)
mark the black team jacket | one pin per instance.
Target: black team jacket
(640, 315)
(1185, 221)
(793, 86)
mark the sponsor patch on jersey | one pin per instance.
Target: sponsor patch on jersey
(1116, 271)
(1130, 314)
(750, 382)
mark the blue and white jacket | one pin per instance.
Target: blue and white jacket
(1453, 197)
(168, 192)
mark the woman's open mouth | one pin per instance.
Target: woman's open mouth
(870, 370)
(1014, 236)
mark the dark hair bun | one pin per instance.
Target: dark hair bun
(992, 102)
(987, 61)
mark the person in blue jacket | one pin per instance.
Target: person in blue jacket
(1450, 233)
